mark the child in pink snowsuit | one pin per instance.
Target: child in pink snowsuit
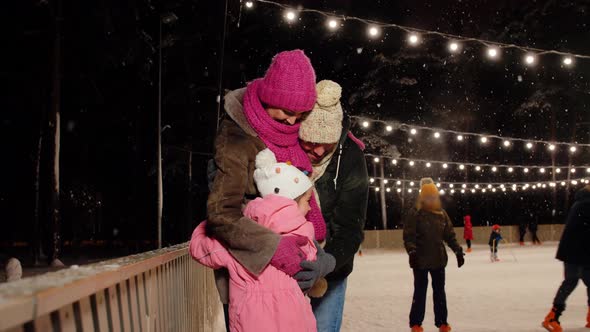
(272, 301)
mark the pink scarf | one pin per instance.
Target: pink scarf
(283, 141)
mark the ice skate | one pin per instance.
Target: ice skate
(522, 243)
(551, 323)
(444, 328)
(469, 250)
(417, 328)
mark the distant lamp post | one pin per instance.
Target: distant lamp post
(166, 18)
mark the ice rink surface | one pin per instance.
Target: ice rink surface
(512, 295)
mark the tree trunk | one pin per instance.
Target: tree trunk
(54, 136)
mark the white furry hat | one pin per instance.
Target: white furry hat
(281, 179)
(324, 122)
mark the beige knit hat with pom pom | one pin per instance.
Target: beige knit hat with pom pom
(324, 122)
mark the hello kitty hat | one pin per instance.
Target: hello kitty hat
(281, 179)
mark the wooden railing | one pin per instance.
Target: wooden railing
(161, 290)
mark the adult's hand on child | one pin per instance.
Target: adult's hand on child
(314, 270)
(460, 258)
(413, 259)
(288, 256)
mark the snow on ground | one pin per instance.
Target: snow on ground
(512, 295)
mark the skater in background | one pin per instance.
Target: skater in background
(468, 231)
(426, 230)
(573, 251)
(533, 227)
(522, 225)
(495, 238)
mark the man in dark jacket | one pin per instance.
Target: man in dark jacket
(342, 184)
(426, 229)
(574, 251)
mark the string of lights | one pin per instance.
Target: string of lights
(410, 186)
(415, 36)
(461, 136)
(462, 166)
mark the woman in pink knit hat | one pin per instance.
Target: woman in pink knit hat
(265, 114)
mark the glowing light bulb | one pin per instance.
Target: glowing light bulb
(428, 165)
(574, 182)
(394, 161)
(413, 131)
(473, 191)
(413, 39)
(526, 170)
(542, 170)
(373, 31)
(388, 189)
(551, 147)
(332, 24)
(568, 61)
(484, 139)
(530, 59)
(249, 4)
(376, 159)
(446, 165)
(493, 190)
(506, 143)
(562, 183)
(462, 191)
(398, 183)
(365, 124)
(412, 184)
(478, 168)
(510, 169)
(588, 170)
(376, 188)
(385, 181)
(573, 170)
(492, 52)
(494, 169)
(437, 135)
(558, 170)
(489, 186)
(477, 186)
(451, 185)
(412, 163)
(453, 47)
(573, 149)
(552, 184)
(461, 167)
(389, 128)
(410, 190)
(483, 191)
(529, 145)
(452, 191)
(459, 137)
(371, 180)
(399, 190)
(290, 16)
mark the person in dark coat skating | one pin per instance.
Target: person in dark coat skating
(574, 252)
(426, 229)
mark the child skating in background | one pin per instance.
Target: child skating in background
(495, 239)
(272, 301)
(468, 231)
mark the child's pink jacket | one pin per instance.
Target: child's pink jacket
(272, 301)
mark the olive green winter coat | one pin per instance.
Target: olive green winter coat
(426, 233)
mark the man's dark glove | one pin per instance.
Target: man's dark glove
(413, 259)
(313, 270)
(460, 258)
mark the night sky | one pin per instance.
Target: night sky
(109, 101)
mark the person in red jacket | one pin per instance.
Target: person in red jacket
(468, 231)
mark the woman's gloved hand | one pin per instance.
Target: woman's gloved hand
(314, 270)
(460, 258)
(289, 256)
(413, 259)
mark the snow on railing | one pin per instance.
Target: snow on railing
(160, 290)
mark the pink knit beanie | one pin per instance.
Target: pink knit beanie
(289, 82)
